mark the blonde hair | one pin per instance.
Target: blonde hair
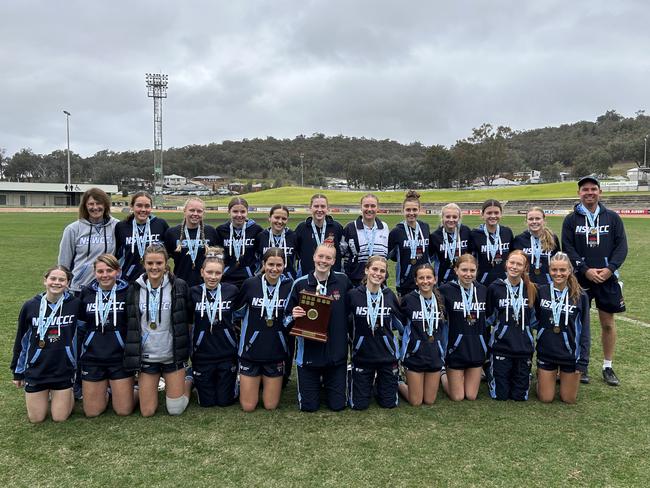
(109, 260)
(548, 238)
(451, 206)
(201, 233)
(572, 282)
(214, 254)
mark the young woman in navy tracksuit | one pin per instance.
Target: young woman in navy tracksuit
(263, 342)
(44, 360)
(408, 244)
(313, 232)
(237, 237)
(511, 316)
(539, 243)
(375, 314)
(448, 242)
(491, 243)
(323, 365)
(424, 338)
(362, 238)
(214, 337)
(186, 242)
(133, 235)
(103, 329)
(464, 302)
(563, 335)
(278, 235)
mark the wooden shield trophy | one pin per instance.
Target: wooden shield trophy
(313, 326)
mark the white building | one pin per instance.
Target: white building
(174, 180)
(16, 194)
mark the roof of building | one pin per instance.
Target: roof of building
(53, 187)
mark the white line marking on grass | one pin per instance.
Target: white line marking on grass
(640, 323)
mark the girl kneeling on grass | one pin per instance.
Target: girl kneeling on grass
(424, 339)
(103, 322)
(263, 342)
(158, 340)
(214, 337)
(375, 315)
(464, 302)
(44, 361)
(511, 314)
(563, 335)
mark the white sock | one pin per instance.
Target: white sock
(607, 363)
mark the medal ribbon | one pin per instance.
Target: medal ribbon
(374, 306)
(154, 303)
(103, 309)
(414, 237)
(450, 247)
(193, 244)
(211, 306)
(318, 237)
(592, 222)
(279, 241)
(467, 296)
(370, 238)
(237, 242)
(45, 323)
(140, 239)
(270, 305)
(536, 251)
(556, 305)
(321, 288)
(516, 300)
(493, 248)
(430, 315)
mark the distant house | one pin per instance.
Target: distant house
(45, 194)
(236, 186)
(213, 182)
(256, 187)
(174, 180)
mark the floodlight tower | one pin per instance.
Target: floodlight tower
(157, 89)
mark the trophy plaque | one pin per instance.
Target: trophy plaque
(314, 325)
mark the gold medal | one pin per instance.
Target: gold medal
(556, 329)
(537, 271)
(431, 338)
(471, 319)
(41, 344)
(413, 261)
(153, 325)
(269, 322)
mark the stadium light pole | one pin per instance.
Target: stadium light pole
(157, 89)
(645, 151)
(302, 169)
(67, 127)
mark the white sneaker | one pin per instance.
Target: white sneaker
(161, 384)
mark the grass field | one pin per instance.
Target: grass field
(300, 196)
(604, 440)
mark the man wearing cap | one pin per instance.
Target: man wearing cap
(594, 238)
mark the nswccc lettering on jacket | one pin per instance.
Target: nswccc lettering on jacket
(406, 243)
(59, 321)
(505, 302)
(95, 239)
(418, 315)
(247, 242)
(154, 238)
(165, 306)
(225, 305)
(504, 246)
(184, 243)
(475, 306)
(363, 311)
(545, 303)
(288, 250)
(583, 229)
(259, 302)
(463, 245)
(91, 307)
(529, 252)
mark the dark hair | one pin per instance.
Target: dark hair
(109, 260)
(59, 267)
(436, 292)
(411, 196)
(237, 201)
(491, 203)
(98, 195)
(135, 196)
(273, 252)
(370, 262)
(278, 206)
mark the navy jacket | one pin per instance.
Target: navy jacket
(609, 253)
(443, 267)
(380, 346)
(131, 262)
(465, 342)
(57, 361)
(418, 349)
(399, 250)
(522, 241)
(488, 271)
(260, 342)
(571, 345)
(262, 244)
(335, 350)
(306, 244)
(102, 347)
(219, 342)
(183, 268)
(508, 337)
(234, 272)
(355, 247)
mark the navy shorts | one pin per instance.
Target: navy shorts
(57, 385)
(384, 379)
(451, 364)
(161, 368)
(273, 369)
(608, 295)
(93, 372)
(551, 366)
(215, 383)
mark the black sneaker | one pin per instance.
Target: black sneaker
(584, 378)
(610, 377)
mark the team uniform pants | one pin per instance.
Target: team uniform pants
(333, 379)
(215, 383)
(382, 376)
(509, 377)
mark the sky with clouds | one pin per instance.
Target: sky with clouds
(425, 71)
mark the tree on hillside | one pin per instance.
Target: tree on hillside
(437, 169)
(598, 161)
(488, 155)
